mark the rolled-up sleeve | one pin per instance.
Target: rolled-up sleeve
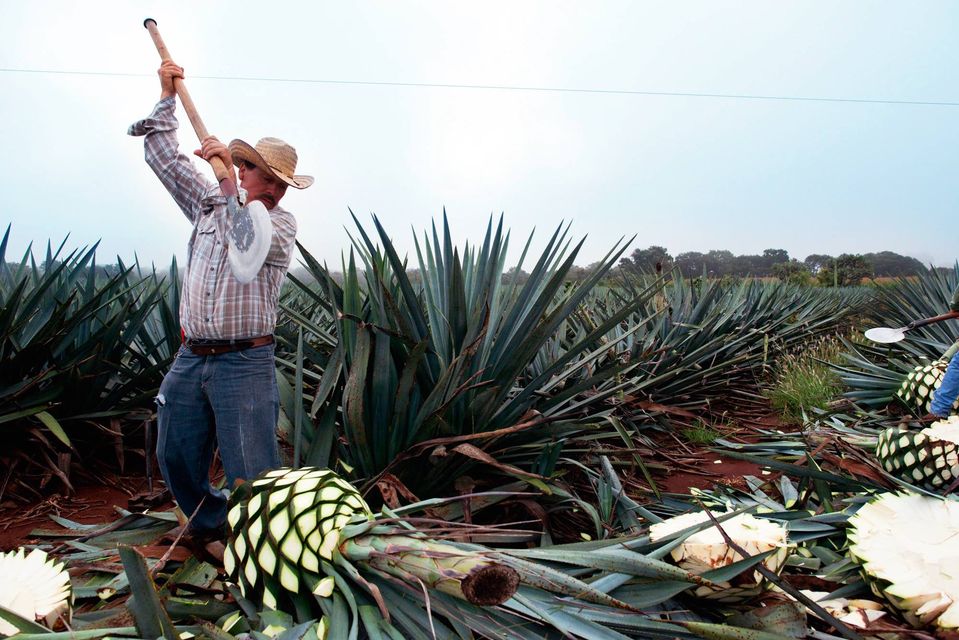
(284, 239)
(176, 171)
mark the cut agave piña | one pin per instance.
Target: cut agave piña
(34, 586)
(282, 526)
(928, 458)
(908, 548)
(707, 549)
(287, 548)
(920, 383)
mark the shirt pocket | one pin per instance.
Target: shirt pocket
(205, 224)
(205, 243)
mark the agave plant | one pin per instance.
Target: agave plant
(928, 458)
(78, 346)
(304, 542)
(443, 368)
(695, 342)
(874, 373)
(707, 549)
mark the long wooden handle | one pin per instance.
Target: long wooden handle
(219, 169)
(921, 323)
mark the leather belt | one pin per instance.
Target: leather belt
(202, 347)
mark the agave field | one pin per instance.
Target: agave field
(472, 454)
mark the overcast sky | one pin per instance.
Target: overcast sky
(849, 168)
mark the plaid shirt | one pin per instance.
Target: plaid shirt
(213, 305)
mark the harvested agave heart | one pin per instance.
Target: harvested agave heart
(707, 550)
(920, 383)
(289, 543)
(908, 548)
(928, 458)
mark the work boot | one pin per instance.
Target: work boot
(207, 546)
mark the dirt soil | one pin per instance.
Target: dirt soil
(678, 465)
(89, 504)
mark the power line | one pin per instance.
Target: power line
(496, 87)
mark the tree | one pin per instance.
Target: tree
(770, 258)
(719, 263)
(816, 261)
(514, 274)
(849, 269)
(646, 260)
(793, 272)
(691, 263)
(893, 265)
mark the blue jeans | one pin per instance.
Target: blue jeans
(230, 400)
(948, 391)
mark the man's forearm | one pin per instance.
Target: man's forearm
(161, 150)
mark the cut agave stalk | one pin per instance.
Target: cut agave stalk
(707, 550)
(920, 383)
(33, 586)
(471, 577)
(908, 546)
(286, 541)
(927, 458)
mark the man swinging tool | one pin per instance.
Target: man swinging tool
(222, 385)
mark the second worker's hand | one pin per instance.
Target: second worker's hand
(211, 147)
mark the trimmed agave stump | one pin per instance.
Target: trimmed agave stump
(295, 534)
(445, 568)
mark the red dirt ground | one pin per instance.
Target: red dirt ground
(90, 504)
(714, 470)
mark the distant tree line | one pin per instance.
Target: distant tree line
(825, 269)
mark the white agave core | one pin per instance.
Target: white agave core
(707, 549)
(947, 430)
(912, 543)
(34, 586)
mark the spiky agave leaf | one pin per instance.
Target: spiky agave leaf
(874, 373)
(34, 586)
(448, 350)
(908, 546)
(928, 458)
(707, 549)
(712, 338)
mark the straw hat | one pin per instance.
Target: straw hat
(271, 155)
